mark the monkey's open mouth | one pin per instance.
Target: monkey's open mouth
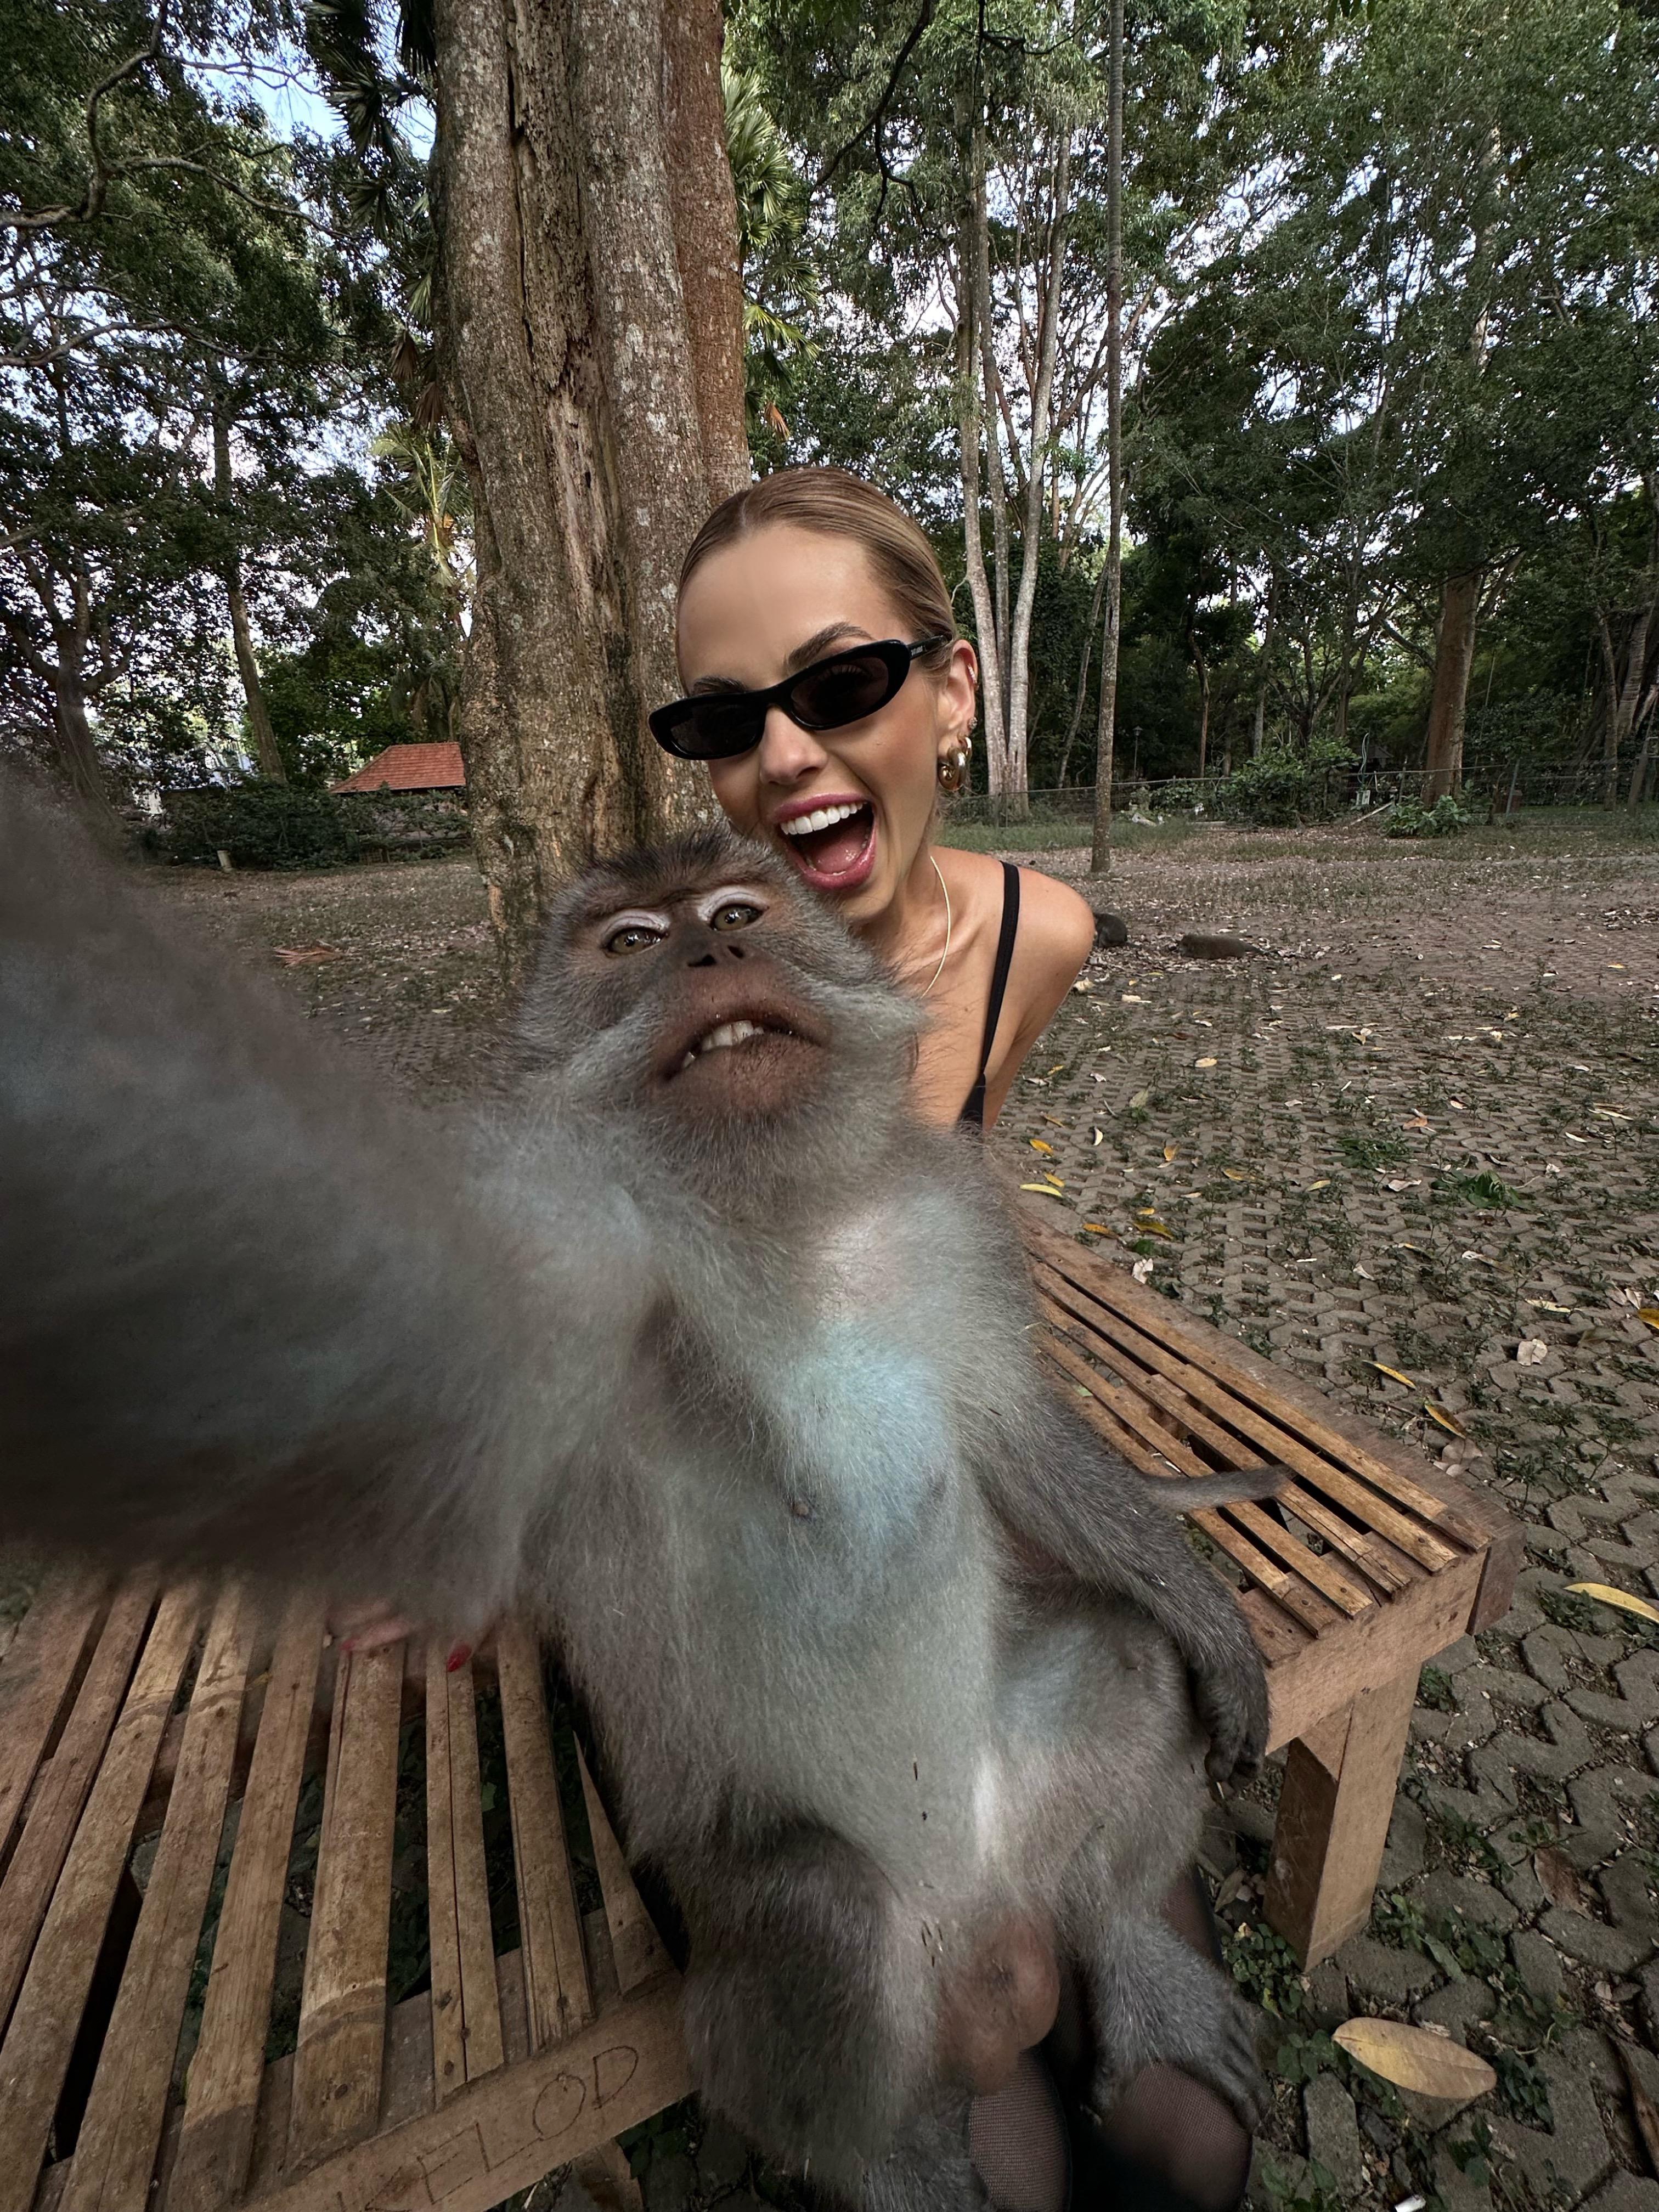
(727, 1035)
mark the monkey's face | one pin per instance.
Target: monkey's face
(695, 984)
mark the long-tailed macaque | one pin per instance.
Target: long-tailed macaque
(696, 1346)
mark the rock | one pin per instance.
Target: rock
(1333, 2134)
(1110, 929)
(1198, 944)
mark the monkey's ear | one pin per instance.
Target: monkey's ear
(252, 1310)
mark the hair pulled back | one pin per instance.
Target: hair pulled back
(839, 505)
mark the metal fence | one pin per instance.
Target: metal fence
(1326, 793)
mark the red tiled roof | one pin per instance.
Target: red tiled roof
(410, 767)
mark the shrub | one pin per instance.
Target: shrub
(277, 825)
(1281, 791)
(1410, 818)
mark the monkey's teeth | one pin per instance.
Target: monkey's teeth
(804, 825)
(721, 1039)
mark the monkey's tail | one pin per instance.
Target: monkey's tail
(1189, 1493)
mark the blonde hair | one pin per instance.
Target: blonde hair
(839, 505)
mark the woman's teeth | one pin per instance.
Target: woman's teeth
(804, 825)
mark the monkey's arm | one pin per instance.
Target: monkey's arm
(250, 1311)
(1052, 1482)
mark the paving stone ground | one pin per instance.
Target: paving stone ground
(1421, 1132)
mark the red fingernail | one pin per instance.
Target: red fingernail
(348, 1644)
(458, 1658)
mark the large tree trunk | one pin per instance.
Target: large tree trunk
(266, 757)
(978, 584)
(78, 756)
(1105, 726)
(1259, 723)
(1454, 654)
(705, 216)
(996, 730)
(567, 365)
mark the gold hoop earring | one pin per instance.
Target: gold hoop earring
(953, 767)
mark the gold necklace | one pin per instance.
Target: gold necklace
(946, 954)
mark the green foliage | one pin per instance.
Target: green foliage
(1280, 790)
(274, 825)
(1266, 1968)
(1410, 818)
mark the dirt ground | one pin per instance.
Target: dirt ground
(1418, 1131)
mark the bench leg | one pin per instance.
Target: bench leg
(1334, 1812)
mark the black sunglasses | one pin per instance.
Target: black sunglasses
(843, 688)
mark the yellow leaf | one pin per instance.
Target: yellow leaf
(1412, 2058)
(1100, 1229)
(1446, 1420)
(1054, 1124)
(1171, 1151)
(1394, 1374)
(1043, 1190)
(1207, 1062)
(1041, 1145)
(1152, 1226)
(1604, 1594)
(1055, 1070)
(1649, 1314)
(1235, 1175)
(1324, 1184)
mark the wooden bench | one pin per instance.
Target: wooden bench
(1374, 1561)
(512, 2064)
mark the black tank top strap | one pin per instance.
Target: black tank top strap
(973, 1111)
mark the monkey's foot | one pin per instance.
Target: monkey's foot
(928, 2169)
(1155, 1999)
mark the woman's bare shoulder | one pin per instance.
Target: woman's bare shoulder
(1056, 926)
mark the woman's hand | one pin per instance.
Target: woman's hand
(1002, 2001)
(368, 1627)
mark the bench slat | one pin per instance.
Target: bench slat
(47, 2016)
(36, 1677)
(342, 2036)
(1249, 1381)
(558, 1996)
(1381, 1563)
(467, 2017)
(1421, 1543)
(49, 1826)
(115, 2151)
(215, 2141)
(635, 1942)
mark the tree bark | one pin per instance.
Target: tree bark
(1019, 648)
(567, 363)
(1105, 726)
(266, 757)
(1258, 726)
(978, 584)
(996, 733)
(1454, 652)
(705, 216)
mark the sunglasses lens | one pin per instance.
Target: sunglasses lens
(842, 691)
(713, 728)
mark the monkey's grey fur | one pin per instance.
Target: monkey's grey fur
(719, 1366)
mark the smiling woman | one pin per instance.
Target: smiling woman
(832, 700)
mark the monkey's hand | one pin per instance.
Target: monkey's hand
(806, 2022)
(1228, 1684)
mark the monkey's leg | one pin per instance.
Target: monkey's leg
(1151, 1999)
(928, 2168)
(810, 2015)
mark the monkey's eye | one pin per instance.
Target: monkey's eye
(632, 937)
(737, 914)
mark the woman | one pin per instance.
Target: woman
(835, 755)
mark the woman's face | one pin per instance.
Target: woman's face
(761, 608)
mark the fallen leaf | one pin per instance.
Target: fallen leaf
(1642, 2105)
(1054, 1124)
(1324, 1184)
(1040, 1144)
(1552, 1167)
(1099, 1137)
(1412, 2058)
(1141, 1270)
(1449, 1422)
(1140, 1099)
(1056, 1069)
(1130, 999)
(1394, 1374)
(1606, 1114)
(1399, 1182)
(1152, 1226)
(307, 956)
(1604, 1594)
(1650, 1314)
(1100, 1229)
(1532, 1352)
(1171, 1151)
(1043, 1190)
(1548, 1305)
(1418, 1122)
(1209, 1062)
(1235, 1175)
(1457, 1106)
(1558, 1881)
(1363, 1273)
(1404, 1245)
(1083, 984)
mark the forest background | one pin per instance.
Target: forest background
(1373, 287)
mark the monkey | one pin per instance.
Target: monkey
(691, 1344)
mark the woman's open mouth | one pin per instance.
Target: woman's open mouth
(833, 845)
